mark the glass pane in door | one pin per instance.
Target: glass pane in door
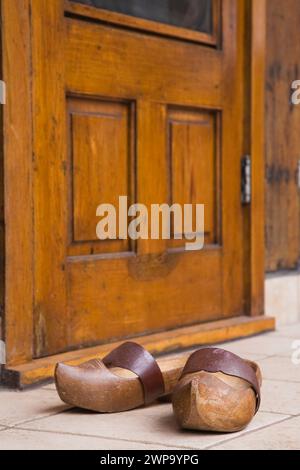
(190, 14)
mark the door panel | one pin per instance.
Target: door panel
(193, 158)
(159, 120)
(111, 62)
(100, 168)
(121, 297)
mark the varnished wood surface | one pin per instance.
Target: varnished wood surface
(257, 152)
(97, 172)
(51, 313)
(18, 169)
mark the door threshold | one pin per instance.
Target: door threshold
(40, 371)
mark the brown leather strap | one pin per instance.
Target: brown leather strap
(219, 360)
(134, 357)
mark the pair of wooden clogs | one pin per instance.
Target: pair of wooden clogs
(213, 390)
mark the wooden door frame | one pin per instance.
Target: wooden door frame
(21, 369)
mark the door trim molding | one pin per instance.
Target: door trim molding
(257, 152)
(18, 188)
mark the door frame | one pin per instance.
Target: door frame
(19, 166)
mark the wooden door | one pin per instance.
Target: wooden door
(143, 107)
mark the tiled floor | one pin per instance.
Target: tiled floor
(38, 420)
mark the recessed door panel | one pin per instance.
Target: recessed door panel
(194, 155)
(101, 168)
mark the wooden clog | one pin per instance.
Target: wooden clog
(218, 391)
(127, 378)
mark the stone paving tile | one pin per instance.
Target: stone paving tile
(282, 298)
(280, 368)
(290, 331)
(281, 397)
(266, 345)
(19, 439)
(50, 387)
(16, 407)
(154, 424)
(282, 436)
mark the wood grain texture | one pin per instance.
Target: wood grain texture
(215, 402)
(50, 177)
(18, 177)
(257, 123)
(145, 67)
(193, 154)
(231, 152)
(100, 169)
(282, 136)
(151, 159)
(94, 386)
